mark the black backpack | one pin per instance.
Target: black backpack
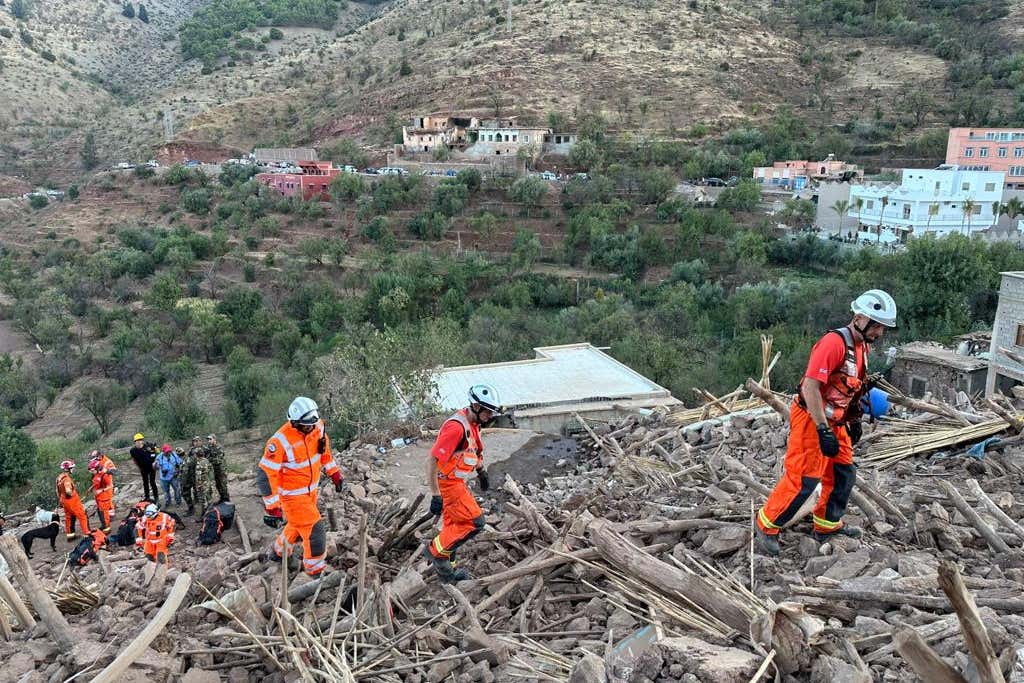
(218, 518)
(126, 532)
(83, 553)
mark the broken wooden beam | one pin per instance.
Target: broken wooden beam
(975, 634)
(134, 649)
(994, 540)
(925, 602)
(21, 570)
(925, 662)
(17, 605)
(768, 397)
(994, 509)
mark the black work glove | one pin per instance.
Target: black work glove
(436, 505)
(827, 441)
(321, 445)
(275, 520)
(485, 481)
(855, 430)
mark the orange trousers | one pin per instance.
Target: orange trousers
(805, 468)
(302, 520)
(156, 551)
(105, 512)
(74, 511)
(461, 519)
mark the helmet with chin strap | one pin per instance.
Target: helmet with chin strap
(876, 305)
(484, 397)
(303, 412)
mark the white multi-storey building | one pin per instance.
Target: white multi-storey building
(945, 200)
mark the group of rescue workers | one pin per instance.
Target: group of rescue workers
(835, 395)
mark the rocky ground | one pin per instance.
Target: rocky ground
(628, 558)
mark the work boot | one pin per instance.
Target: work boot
(191, 511)
(445, 571)
(844, 530)
(765, 544)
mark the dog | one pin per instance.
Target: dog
(49, 531)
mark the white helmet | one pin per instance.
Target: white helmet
(304, 411)
(486, 396)
(876, 305)
(151, 510)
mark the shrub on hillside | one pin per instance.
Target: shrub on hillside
(17, 456)
(38, 201)
(429, 225)
(176, 411)
(743, 197)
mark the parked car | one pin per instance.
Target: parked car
(548, 175)
(347, 168)
(581, 176)
(451, 173)
(732, 181)
(371, 171)
(124, 166)
(393, 170)
(152, 163)
(713, 182)
(191, 163)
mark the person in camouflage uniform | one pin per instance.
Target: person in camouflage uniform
(215, 454)
(188, 475)
(204, 483)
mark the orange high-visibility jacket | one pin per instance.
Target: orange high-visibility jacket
(157, 530)
(66, 491)
(468, 455)
(292, 463)
(103, 487)
(107, 465)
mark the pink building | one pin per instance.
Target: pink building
(314, 181)
(796, 174)
(989, 149)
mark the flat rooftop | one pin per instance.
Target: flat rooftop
(558, 375)
(937, 354)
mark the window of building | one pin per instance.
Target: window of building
(1002, 152)
(526, 138)
(976, 211)
(1019, 341)
(870, 204)
(966, 187)
(990, 187)
(1017, 170)
(515, 138)
(983, 151)
(1018, 152)
(906, 211)
(968, 152)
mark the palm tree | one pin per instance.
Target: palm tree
(1013, 208)
(969, 205)
(858, 205)
(881, 214)
(841, 207)
(933, 210)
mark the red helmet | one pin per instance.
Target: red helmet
(94, 464)
(67, 465)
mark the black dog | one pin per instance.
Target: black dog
(49, 531)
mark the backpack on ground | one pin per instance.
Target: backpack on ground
(126, 532)
(216, 520)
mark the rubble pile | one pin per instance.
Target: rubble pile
(633, 562)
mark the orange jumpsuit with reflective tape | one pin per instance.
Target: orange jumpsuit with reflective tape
(459, 453)
(155, 535)
(833, 359)
(291, 467)
(74, 511)
(103, 492)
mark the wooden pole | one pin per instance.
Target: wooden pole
(994, 540)
(975, 633)
(18, 605)
(134, 650)
(768, 397)
(240, 524)
(994, 509)
(48, 613)
(923, 659)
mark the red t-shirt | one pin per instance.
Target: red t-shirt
(828, 356)
(451, 437)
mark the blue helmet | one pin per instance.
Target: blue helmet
(875, 403)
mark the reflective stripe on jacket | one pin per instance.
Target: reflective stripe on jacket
(463, 462)
(292, 461)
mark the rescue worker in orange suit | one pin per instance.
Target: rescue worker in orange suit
(155, 534)
(824, 426)
(103, 492)
(106, 464)
(67, 494)
(457, 453)
(288, 480)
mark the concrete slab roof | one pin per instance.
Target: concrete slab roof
(558, 375)
(930, 352)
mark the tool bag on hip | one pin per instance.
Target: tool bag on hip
(217, 519)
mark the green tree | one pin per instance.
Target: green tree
(275, 34)
(73, 192)
(528, 191)
(1013, 207)
(429, 225)
(841, 207)
(968, 211)
(745, 196)
(245, 383)
(176, 411)
(450, 197)
(471, 178)
(346, 188)
(143, 14)
(165, 292)
(486, 224)
(128, 10)
(798, 213)
(90, 159)
(656, 184)
(17, 456)
(858, 206)
(38, 201)
(103, 400)
(346, 151)
(933, 211)
(404, 69)
(586, 155)
(20, 9)
(525, 250)
(881, 215)
(313, 249)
